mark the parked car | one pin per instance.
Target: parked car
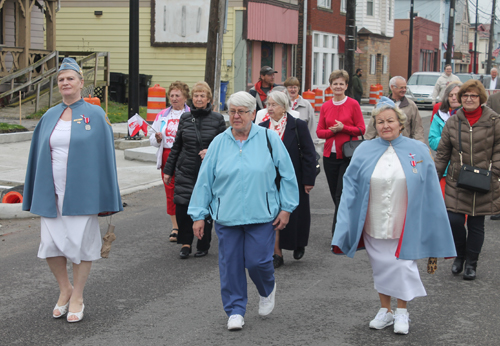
(464, 77)
(420, 87)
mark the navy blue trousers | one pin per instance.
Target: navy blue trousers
(240, 247)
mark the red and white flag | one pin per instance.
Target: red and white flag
(135, 124)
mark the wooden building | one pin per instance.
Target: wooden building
(27, 32)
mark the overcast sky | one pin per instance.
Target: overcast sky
(484, 13)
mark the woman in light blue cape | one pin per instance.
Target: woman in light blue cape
(391, 205)
(70, 179)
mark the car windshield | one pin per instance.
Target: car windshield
(423, 79)
(464, 77)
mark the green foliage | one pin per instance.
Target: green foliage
(6, 128)
(117, 112)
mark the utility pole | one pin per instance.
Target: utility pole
(451, 29)
(410, 44)
(218, 58)
(350, 37)
(213, 25)
(490, 43)
(214, 48)
(133, 59)
(475, 41)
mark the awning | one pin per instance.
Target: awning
(272, 23)
(342, 45)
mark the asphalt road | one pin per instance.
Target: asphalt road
(145, 295)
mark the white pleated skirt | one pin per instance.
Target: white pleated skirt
(393, 277)
(78, 238)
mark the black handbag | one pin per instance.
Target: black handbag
(349, 147)
(470, 177)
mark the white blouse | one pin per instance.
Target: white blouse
(388, 201)
(59, 148)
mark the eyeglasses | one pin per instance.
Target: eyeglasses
(240, 113)
(471, 96)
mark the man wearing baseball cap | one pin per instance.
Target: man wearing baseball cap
(263, 86)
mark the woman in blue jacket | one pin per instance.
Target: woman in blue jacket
(449, 107)
(236, 185)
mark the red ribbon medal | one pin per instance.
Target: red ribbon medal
(86, 120)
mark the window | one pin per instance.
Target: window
(343, 6)
(267, 54)
(384, 64)
(315, 69)
(372, 64)
(325, 72)
(249, 61)
(390, 9)
(325, 3)
(284, 63)
(324, 58)
(369, 7)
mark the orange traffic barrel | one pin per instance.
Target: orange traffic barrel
(380, 91)
(12, 197)
(373, 94)
(157, 101)
(92, 100)
(309, 96)
(319, 99)
(328, 94)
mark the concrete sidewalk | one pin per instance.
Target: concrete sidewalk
(132, 175)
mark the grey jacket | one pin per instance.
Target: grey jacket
(413, 126)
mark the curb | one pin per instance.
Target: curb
(15, 137)
(14, 211)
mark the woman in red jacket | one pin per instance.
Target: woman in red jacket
(339, 120)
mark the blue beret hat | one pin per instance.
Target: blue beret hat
(70, 64)
(385, 102)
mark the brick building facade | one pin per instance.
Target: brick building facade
(426, 53)
(325, 31)
(374, 61)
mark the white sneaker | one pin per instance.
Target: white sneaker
(235, 322)
(266, 304)
(382, 320)
(401, 321)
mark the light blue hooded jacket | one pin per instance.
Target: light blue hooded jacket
(237, 187)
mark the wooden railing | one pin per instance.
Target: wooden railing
(13, 53)
(9, 59)
(95, 67)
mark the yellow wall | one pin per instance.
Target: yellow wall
(78, 29)
(227, 73)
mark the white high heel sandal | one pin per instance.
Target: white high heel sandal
(63, 309)
(79, 315)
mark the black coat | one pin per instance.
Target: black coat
(296, 233)
(183, 159)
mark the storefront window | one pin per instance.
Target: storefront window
(284, 62)
(267, 56)
(249, 61)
